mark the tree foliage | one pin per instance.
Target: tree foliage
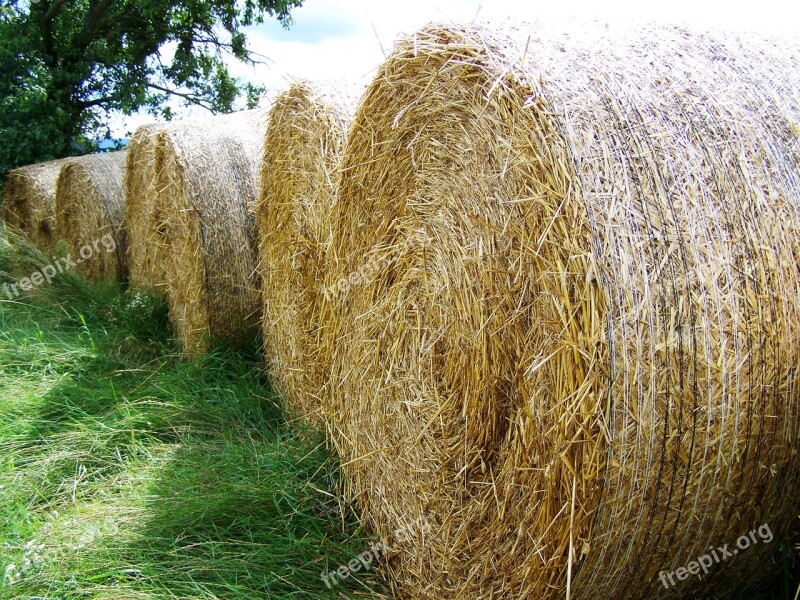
(64, 64)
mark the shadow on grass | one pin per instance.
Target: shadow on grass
(236, 503)
(101, 413)
(139, 474)
(246, 516)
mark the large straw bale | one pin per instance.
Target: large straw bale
(304, 141)
(206, 184)
(145, 264)
(578, 360)
(89, 206)
(28, 197)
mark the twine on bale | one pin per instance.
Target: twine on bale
(28, 198)
(579, 362)
(304, 141)
(90, 205)
(145, 264)
(206, 182)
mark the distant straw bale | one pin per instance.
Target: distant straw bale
(89, 206)
(204, 220)
(304, 141)
(145, 264)
(28, 199)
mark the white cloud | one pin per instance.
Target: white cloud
(354, 50)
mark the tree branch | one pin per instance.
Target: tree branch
(97, 8)
(54, 9)
(191, 98)
(46, 25)
(84, 104)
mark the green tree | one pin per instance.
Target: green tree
(64, 64)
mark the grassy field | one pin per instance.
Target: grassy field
(128, 472)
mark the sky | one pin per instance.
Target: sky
(346, 40)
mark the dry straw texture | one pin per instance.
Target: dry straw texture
(206, 182)
(145, 264)
(90, 204)
(28, 198)
(579, 363)
(305, 138)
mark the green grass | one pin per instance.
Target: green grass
(128, 472)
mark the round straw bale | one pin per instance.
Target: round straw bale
(207, 182)
(28, 197)
(145, 263)
(89, 210)
(577, 361)
(304, 141)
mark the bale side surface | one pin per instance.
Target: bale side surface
(145, 264)
(304, 141)
(578, 361)
(90, 205)
(28, 199)
(206, 180)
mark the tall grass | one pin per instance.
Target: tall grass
(127, 472)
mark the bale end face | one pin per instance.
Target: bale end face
(89, 213)
(28, 200)
(206, 181)
(302, 148)
(144, 258)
